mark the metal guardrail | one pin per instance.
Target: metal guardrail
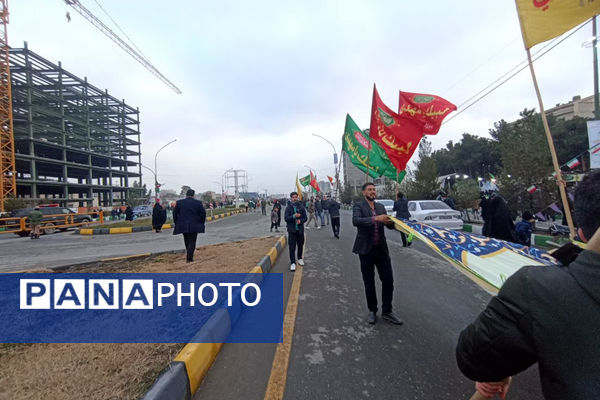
(20, 225)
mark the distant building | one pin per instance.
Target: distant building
(577, 107)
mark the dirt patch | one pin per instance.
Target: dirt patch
(113, 371)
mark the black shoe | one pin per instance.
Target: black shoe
(392, 318)
(372, 318)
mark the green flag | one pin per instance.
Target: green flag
(305, 181)
(357, 144)
(391, 173)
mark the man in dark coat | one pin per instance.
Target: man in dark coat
(401, 208)
(128, 213)
(369, 218)
(159, 217)
(189, 217)
(549, 315)
(333, 208)
(295, 217)
(501, 225)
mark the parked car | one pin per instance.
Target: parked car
(388, 204)
(142, 211)
(435, 212)
(52, 216)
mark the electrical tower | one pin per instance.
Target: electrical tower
(235, 179)
(8, 184)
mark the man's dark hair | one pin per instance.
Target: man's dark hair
(190, 193)
(587, 204)
(293, 193)
(367, 184)
(400, 195)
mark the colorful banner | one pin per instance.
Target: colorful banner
(299, 188)
(429, 109)
(542, 20)
(313, 182)
(398, 135)
(305, 181)
(490, 260)
(363, 152)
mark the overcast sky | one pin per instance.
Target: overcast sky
(258, 78)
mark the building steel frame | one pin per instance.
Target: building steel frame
(74, 143)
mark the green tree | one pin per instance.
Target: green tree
(425, 184)
(526, 161)
(466, 195)
(13, 203)
(473, 155)
(184, 189)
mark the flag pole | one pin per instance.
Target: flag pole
(368, 156)
(561, 183)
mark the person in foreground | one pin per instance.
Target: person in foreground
(549, 315)
(369, 218)
(189, 217)
(295, 217)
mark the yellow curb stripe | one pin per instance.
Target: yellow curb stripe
(198, 357)
(126, 257)
(256, 270)
(283, 241)
(126, 229)
(277, 380)
(272, 253)
(86, 231)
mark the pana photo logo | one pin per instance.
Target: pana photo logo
(132, 294)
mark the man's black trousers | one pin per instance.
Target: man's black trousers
(190, 245)
(377, 258)
(295, 239)
(335, 226)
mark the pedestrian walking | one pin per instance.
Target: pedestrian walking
(159, 217)
(189, 217)
(128, 213)
(333, 209)
(277, 207)
(544, 315)
(263, 207)
(295, 217)
(274, 220)
(325, 203)
(401, 208)
(319, 211)
(369, 218)
(35, 222)
(311, 214)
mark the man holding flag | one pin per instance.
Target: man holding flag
(295, 217)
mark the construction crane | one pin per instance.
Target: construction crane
(8, 172)
(75, 4)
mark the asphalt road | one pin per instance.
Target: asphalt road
(336, 354)
(64, 248)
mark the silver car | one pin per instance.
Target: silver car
(435, 212)
(388, 204)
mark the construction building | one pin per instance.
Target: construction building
(74, 143)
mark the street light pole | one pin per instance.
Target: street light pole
(156, 187)
(335, 165)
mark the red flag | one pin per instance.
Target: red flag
(313, 182)
(330, 179)
(397, 135)
(426, 108)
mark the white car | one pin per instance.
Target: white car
(388, 204)
(436, 213)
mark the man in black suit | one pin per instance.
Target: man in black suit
(369, 218)
(189, 217)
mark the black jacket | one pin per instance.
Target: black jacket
(159, 215)
(401, 208)
(549, 315)
(318, 206)
(290, 210)
(189, 216)
(333, 207)
(362, 219)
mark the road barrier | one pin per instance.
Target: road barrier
(50, 223)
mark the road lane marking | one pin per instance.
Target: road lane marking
(277, 380)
